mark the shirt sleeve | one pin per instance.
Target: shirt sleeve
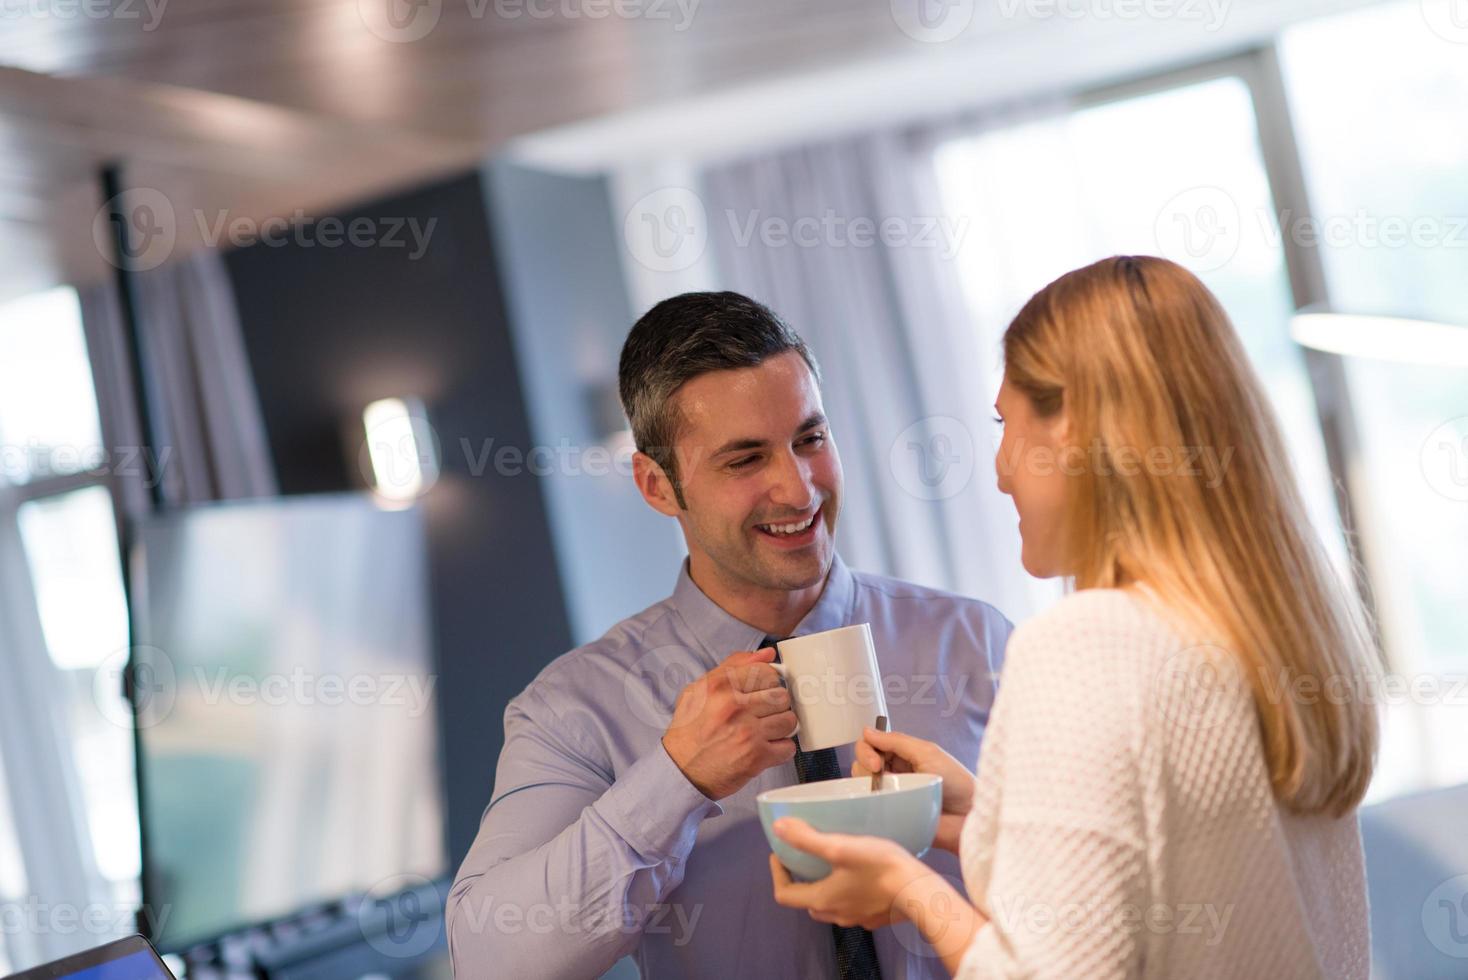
(569, 861)
(1067, 884)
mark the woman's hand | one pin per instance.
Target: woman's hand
(908, 753)
(874, 882)
(867, 874)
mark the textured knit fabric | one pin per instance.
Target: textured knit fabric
(1123, 824)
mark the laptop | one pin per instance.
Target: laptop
(132, 958)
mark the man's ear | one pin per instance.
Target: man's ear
(654, 485)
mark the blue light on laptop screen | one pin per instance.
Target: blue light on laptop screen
(135, 966)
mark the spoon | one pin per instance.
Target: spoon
(881, 726)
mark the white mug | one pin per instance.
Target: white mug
(835, 687)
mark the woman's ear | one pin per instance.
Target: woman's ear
(1060, 427)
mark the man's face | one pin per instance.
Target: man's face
(755, 454)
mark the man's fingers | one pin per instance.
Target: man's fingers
(754, 677)
(778, 726)
(740, 657)
(767, 701)
(782, 750)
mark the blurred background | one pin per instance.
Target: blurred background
(310, 450)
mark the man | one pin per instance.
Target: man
(623, 817)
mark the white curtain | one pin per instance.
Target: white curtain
(58, 869)
(205, 414)
(848, 241)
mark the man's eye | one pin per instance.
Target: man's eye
(814, 439)
(743, 462)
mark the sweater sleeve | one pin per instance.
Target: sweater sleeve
(1063, 847)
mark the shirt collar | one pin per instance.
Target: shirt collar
(721, 634)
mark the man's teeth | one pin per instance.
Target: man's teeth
(788, 528)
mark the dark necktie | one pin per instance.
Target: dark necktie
(856, 951)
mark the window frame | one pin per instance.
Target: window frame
(47, 803)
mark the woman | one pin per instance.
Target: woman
(1169, 780)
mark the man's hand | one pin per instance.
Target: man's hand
(732, 724)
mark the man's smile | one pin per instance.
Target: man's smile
(795, 532)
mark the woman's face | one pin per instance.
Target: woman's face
(1031, 471)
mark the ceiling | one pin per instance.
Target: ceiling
(268, 107)
(279, 107)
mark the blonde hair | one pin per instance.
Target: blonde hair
(1142, 358)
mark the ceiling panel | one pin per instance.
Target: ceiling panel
(274, 106)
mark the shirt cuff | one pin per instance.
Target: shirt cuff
(654, 807)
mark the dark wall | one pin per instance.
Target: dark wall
(330, 329)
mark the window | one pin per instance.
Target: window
(1178, 173)
(48, 412)
(71, 548)
(56, 503)
(1379, 105)
(1175, 167)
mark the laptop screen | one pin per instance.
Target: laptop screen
(126, 959)
(142, 965)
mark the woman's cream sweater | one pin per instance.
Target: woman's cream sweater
(1123, 824)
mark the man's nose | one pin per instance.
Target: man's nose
(791, 486)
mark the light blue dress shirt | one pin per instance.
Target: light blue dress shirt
(595, 845)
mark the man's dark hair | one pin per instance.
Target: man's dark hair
(682, 338)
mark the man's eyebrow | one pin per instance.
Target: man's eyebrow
(734, 445)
